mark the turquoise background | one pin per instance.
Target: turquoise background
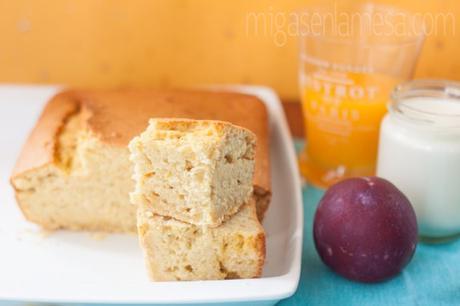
(431, 278)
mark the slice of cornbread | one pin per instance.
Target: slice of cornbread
(196, 171)
(175, 250)
(69, 178)
(74, 170)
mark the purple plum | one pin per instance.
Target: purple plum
(365, 229)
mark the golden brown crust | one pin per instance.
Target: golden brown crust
(261, 250)
(40, 146)
(187, 123)
(262, 198)
(260, 244)
(116, 116)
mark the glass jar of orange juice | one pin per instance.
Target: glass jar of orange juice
(350, 59)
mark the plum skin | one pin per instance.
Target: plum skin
(365, 229)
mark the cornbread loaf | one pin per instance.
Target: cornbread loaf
(175, 250)
(74, 170)
(196, 171)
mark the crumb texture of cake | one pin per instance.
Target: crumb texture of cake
(196, 171)
(175, 250)
(75, 191)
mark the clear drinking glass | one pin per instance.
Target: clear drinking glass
(351, 57)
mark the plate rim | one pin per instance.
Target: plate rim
(289, 281)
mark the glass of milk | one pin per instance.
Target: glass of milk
(419, 152)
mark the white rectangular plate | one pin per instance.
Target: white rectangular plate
(69, 267)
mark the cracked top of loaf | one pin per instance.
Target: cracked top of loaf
(116, 116)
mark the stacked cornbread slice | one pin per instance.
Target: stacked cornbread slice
(196, 214)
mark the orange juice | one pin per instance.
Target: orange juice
(342, 112)
(349, 63)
